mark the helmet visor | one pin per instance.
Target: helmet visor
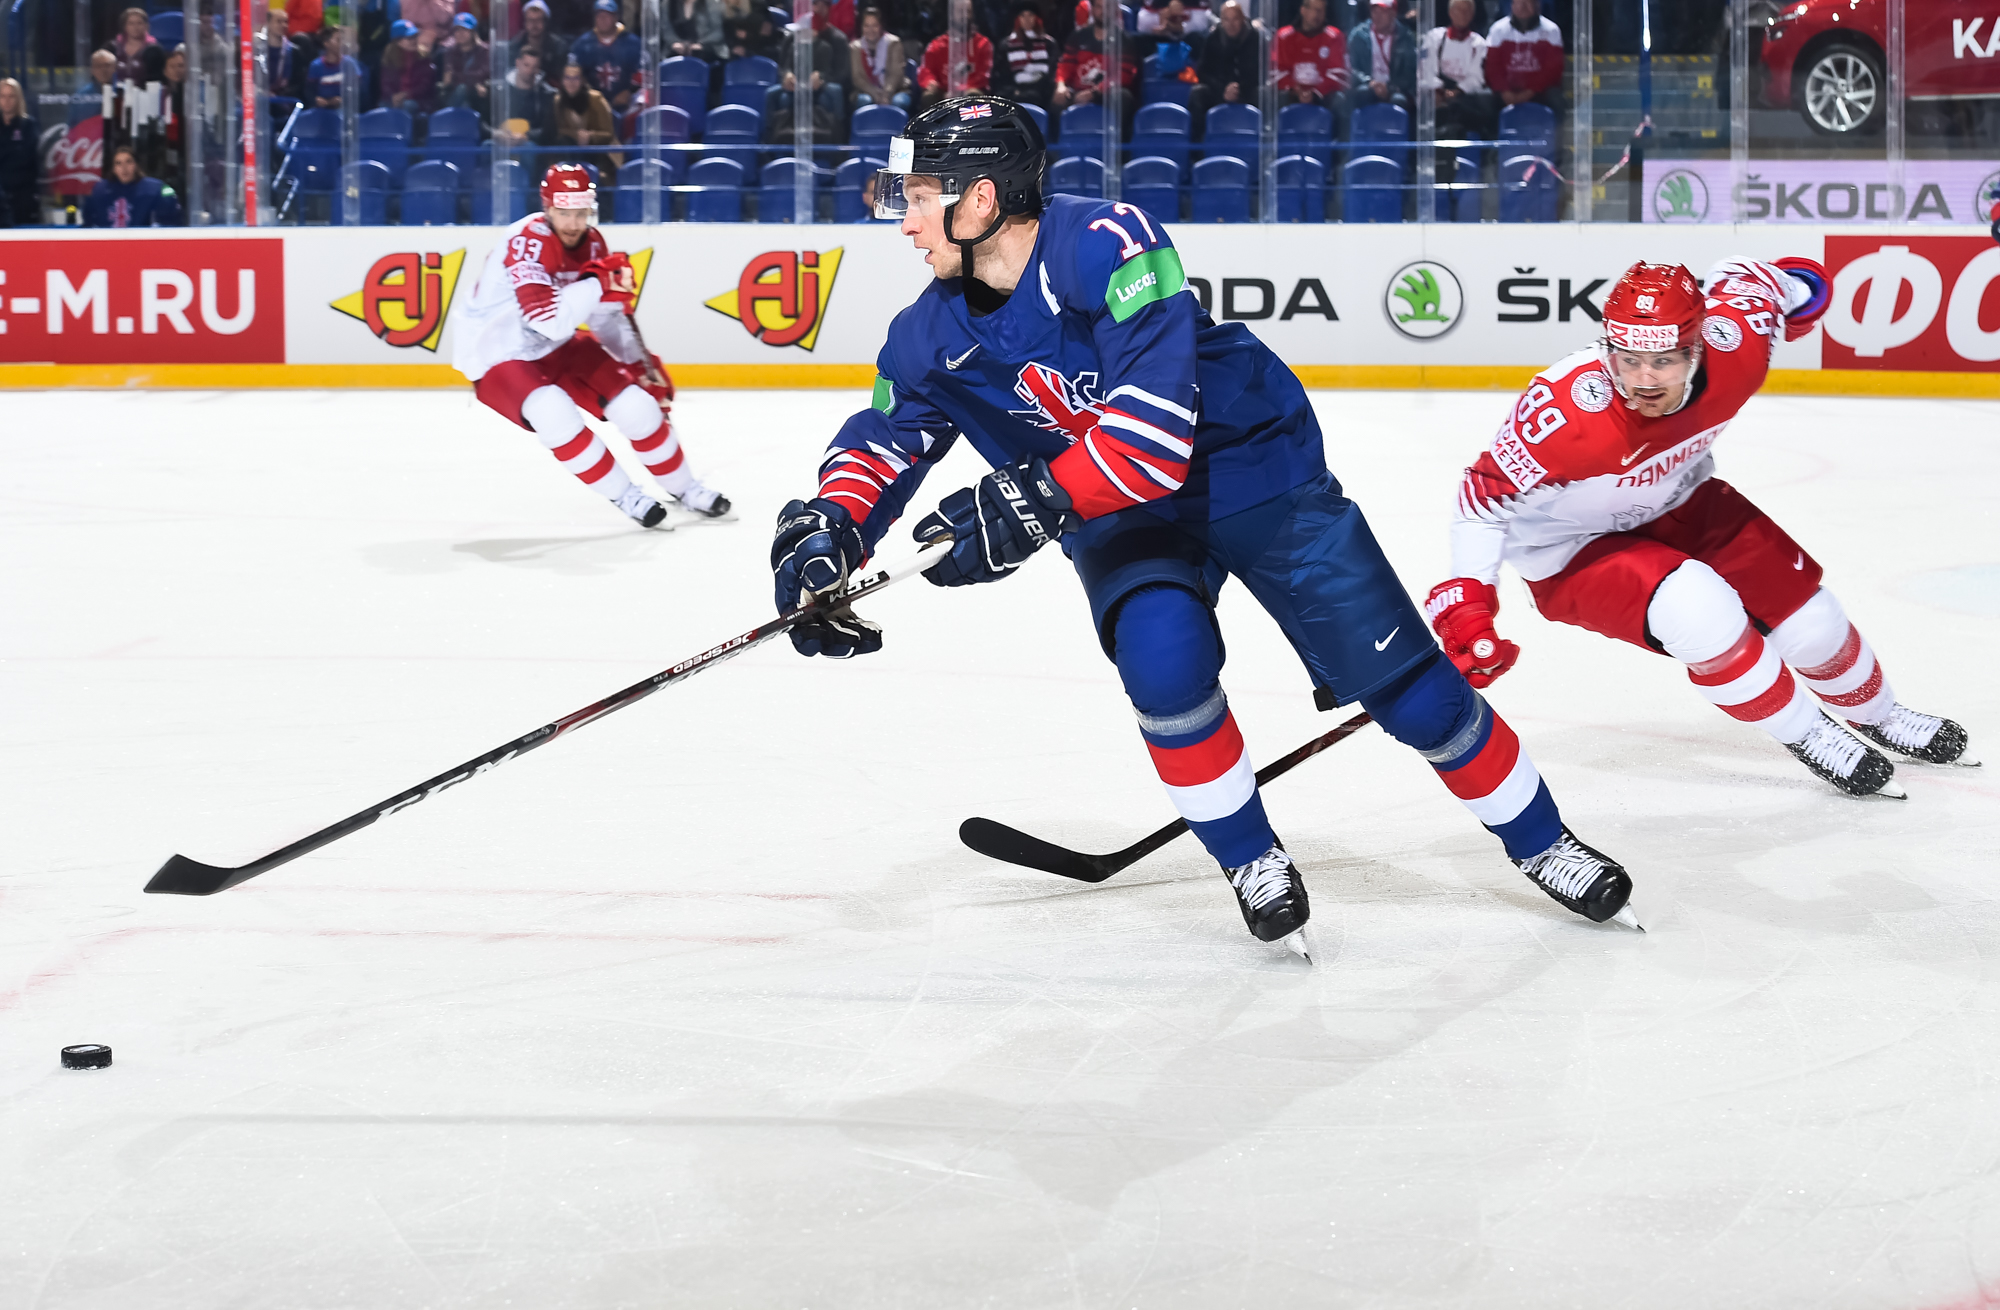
(897, 194)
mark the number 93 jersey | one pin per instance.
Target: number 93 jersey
(1103, 363)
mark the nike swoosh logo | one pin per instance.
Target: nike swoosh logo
(1384, 643)
(1800, 562)
(1627, 461)
(954, 363)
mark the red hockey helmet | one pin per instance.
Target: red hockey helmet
(568, 186)
(1654, 308)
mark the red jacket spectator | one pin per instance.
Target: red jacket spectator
(1523, 64)
(932, 73)
(1081, 67)
(1311, 61)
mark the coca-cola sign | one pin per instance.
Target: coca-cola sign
(1917, 303)
(73, 156)
(143, 300)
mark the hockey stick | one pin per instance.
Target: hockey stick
(1000, 842)
(180, 876)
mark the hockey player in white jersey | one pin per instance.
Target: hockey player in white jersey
(548, 338)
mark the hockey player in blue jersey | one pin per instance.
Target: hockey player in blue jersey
(1165, 453)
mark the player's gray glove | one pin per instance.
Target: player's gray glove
(999, 521)
(816, 549)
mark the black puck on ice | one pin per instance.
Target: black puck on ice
(89, 1056)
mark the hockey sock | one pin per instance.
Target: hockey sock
(1434, 711)
(1749, 682)
(1170, 660)
(661, 454)
(1835, 660)
(586, 456)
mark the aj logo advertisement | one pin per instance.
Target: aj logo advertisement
(781, 296)
(405, 298)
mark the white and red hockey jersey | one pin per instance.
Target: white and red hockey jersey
(532, 296)
(1571, 462)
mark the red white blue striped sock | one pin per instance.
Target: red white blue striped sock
(1201, 758)
(1484, 766)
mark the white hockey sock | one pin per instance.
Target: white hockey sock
(1749, 682)
(662, 455)
(1835, 660)
(586, 456)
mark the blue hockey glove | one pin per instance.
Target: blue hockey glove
(999, 521)
(816, 548)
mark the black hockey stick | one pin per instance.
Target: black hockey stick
(1000, 842)
(180, 876)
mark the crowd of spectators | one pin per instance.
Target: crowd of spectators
(575, 80)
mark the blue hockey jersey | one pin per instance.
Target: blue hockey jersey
(1103, 363)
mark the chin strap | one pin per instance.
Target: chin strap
(965, 247)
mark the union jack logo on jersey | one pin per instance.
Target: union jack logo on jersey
(1071, 408)
(975, 111)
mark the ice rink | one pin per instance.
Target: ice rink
(706, 1006)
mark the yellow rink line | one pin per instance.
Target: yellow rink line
(1368, 377)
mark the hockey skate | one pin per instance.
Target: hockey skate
(1584, 880)
(1272, 897)
(1847, 762)
(641, 508)
(1923, 737)
(705, 501)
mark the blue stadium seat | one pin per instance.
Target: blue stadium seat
(684, 85)
(1460, 205)
(374, 207)
(628, 198)
(676, 126)
(1232, 133)
(848, 203)
(1077, 176)
(1221, 190)
(872, 126)
(1080, 131)
(721, 198)
(1162, 130)
(1379, 124)
(1041, 117)
(430, 194)
(776, 201)
(453, 135)
(744, 80)
(514, 204)
(314, 138)
(1153, 183)
(1372, 190)
(733, 133)
(1301, 189)
(384, 136)
(1529, 191)
(1306, 130)
(168, 28)
(1157, 90)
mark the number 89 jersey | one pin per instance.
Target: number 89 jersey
(1102, 362)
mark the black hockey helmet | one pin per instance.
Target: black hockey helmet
(960, 141)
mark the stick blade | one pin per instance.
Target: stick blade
(180, 876)
(997, 841)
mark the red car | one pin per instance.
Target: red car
(1824, 57)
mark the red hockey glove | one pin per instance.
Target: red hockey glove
(1461, 613)
(1811, 272)
(659, 384)
(606, 271)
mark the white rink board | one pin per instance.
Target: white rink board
(705, 1006)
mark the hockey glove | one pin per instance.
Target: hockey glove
(657, 382)
(607, 271)
(817, 547)
(1461, 613)
(999, 521)
(1812, 273)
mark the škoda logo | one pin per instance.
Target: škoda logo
(781, 296)
(405, 297)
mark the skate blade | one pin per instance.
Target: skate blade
(1628, 917)
(1893, 790)
(1297, 943)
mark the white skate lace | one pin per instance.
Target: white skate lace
(1566, 868)
(1833, 749)
(697, 498)
(1908, 730)
(635, 502)
(1264, 879)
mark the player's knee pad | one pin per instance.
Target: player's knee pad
(635, 413)
(1695, 615)
(1168, 655)
(1427, 707)
(551, 415)
(1814, 633)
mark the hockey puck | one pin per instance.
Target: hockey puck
(1483, 648)
(88, 1056)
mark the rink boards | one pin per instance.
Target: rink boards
(1916, 311)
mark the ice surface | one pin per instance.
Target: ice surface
(705, 1006)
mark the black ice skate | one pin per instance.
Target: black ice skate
(1272, 897)
(1922, 737)
(1850, 764)
(708, 503)
(641, 508)
(1584, 880)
